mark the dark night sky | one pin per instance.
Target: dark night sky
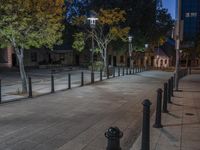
(170, 5)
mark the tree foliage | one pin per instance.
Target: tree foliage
(26, 23)
(108, 29)
(79, 42)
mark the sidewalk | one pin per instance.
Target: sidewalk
(181, 126)
(77, 119)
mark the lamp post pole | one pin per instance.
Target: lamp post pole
(178, 22)
(92, 57)
(146, 57)
(92, 25)
(130, 51)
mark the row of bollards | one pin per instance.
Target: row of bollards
(130, 71)
(114, 134)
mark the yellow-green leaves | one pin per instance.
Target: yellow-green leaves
(79, 42)
(31, 23)
(111, 16)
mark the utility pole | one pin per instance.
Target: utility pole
(178, 39)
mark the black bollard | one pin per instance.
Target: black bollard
(82, 79)
(52, 84)
(123, 71)
(169, 91)
(172, 86)
(165, 99)
(126, 70)
(0, 92)
(174, 81)
(113, 134)
(108, 73)
(130, 72)
(146, 125)
(158, 109)
(30, 95)
(113, 72)
(101, 75)
(118, 71)
(69, 81)
(92, 76)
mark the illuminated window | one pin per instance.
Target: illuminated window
(193, 14)
(187, 14)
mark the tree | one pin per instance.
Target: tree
(26, 23)
(107, 30)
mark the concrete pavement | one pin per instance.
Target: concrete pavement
(181, 126)
(77, 119)
(41, 82)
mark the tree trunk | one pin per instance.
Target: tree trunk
(105, 62)
(20, 57)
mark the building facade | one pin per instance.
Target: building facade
(190, 14)
(42, 58)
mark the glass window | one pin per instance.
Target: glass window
(33, 56)
(193, 14)
(187, 14)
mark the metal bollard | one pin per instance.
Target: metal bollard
(113, 72)
(92, 76)
(52, 84)
(126, 70)
(165, 99)
(113, 134)
(169, 91)
(0, 92)
(158, 109)
(69, 81)
(174, 81)
(108, 76)
(123, 71)
(30, 95)
(118, 71)
(82, 79)
(146, 125)
(130, 72)
(101, 75)
(172, 86)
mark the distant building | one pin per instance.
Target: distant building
(190, 14)
(6, 57)
(42, 58)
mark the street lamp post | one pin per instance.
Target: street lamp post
(92, 20)
(180, 54)
(178, 38)
(130, 49)
(146, 57)
(157, 61)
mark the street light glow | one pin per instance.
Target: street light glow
(92, 21)
(130, 38)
